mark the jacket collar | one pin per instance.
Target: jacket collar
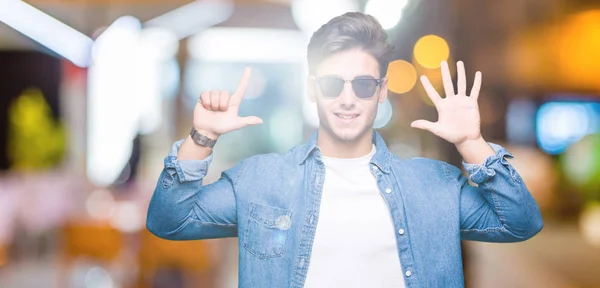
(381, 159)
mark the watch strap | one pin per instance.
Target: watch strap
(201, 139)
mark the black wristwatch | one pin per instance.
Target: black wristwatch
(202, 140)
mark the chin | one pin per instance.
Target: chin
(347, 135)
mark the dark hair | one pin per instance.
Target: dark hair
(349, 31)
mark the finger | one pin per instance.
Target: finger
(431, 93)
(476, 86)
(243, 85)
(214, 100)
(205, 100)
(447, 79)
(424, 125)
(461, 83)
(224, 100)
(250, 120)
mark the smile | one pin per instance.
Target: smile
(346, 116)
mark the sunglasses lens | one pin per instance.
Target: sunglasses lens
(364, 88)
(331, 87)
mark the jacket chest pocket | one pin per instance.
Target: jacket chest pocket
(266, 231)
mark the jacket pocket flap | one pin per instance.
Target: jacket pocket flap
(270, 217)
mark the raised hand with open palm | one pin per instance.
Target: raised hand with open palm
(458, 114)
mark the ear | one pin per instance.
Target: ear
(312, 91)
(383, 90)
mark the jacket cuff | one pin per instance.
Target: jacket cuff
(480, 173)
(187, 170)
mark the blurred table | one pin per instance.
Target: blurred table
(556, 257)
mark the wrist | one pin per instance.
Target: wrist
(470, 143)
(189, 150)
(475, 151)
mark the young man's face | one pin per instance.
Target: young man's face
(347, 117)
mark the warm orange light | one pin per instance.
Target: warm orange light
(558, 56)
(402, 76)
(431, 50)
(579, 49)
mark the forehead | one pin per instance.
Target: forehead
(349, 64)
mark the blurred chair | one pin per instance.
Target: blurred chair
(98, 241)
(188, 260)
(95, 241)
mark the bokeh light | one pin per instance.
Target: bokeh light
(387, 12)
(384, 114)
(578, 49)
(98, 277)
(116, 87)
(431, 50)
(581, 164)
(100, 205)
(560, 55)
(589, 223)
(402, 76)
(310, 15)
(559, 124)
(127, 217)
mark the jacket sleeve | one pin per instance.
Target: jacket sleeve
(500, 209)
(182, 208)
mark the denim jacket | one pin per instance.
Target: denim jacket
(271, 203)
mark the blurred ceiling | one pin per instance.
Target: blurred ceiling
(514, 41)
(87, 16)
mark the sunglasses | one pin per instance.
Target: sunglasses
(332, 86)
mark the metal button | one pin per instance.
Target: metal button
(301, 262)
(278, 250)
(312, 219)
(388, 190)
(283, 222)
(408, 273)
(375, 168)
(401, 231)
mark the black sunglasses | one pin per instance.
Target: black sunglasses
(332, 86)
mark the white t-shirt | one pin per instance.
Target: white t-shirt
(355, 244)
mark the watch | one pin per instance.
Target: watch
(202, 140)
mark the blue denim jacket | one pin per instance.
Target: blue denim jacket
(271, 203)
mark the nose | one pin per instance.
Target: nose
(347, 98)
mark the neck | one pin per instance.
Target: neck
(337, 148)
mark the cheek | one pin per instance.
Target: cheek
(372, 114)
(323, 111)
(324, 106)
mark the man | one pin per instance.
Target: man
(341, 210)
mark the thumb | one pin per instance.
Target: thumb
(250, 120)
(423, 124)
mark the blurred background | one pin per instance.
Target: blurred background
(94, 92)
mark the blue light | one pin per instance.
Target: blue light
(560, 124)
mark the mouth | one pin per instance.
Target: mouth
(346, 116)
